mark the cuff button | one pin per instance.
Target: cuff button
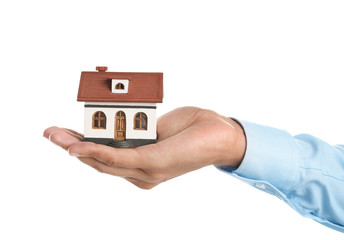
(260, 185)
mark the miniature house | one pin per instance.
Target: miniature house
(120, 107)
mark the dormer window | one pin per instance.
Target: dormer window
(120, 85)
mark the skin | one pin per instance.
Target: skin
(189, 138)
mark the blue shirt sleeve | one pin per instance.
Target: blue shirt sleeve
(304, 171)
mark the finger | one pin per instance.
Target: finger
(75, 133)
(113, 157)
(119, 172)
(63, 139)
(50, 130)
(141, 184)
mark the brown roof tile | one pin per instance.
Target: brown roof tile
(143, 87)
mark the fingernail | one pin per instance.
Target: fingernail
(73, 154)
(49, 137)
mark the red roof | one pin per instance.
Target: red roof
(143, 87)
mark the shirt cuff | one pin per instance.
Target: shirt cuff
(269, 163)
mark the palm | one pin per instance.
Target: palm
(188, 138)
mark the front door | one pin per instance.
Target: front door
(120, 126)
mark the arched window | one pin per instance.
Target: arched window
(140, 121)
(119, 86)
(99, 120)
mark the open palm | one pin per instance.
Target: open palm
(189, 138)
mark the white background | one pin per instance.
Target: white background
(278, 63)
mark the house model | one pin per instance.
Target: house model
(120, 107)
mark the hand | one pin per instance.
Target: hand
(189, 138)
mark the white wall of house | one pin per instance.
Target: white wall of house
(110, 113)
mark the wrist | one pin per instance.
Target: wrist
(235, 148)
(240, 143)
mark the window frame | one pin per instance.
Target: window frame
(101, 118)
(141, 117)
(119, 86)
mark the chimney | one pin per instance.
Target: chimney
(101, 69)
